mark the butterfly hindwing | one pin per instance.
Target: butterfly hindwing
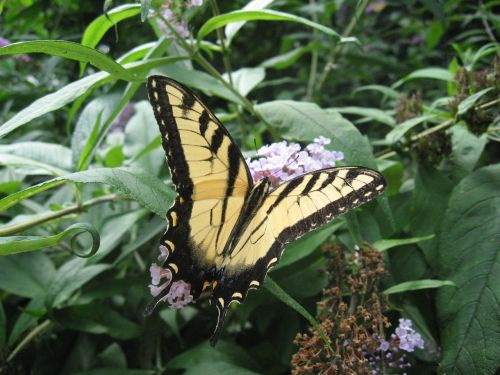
(291, 210)
(209, 175)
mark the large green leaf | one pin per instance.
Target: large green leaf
(430, 198)
(469, 255)
(115, 371)
(72, 51)
(49, 153)
(26, 275)
(262, 15)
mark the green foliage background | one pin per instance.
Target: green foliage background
(410, 88)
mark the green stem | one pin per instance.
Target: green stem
(205, 64)
(333, 56)
(385, 154)
(222, 41)
(314, 58)
(29, 337)
(11, 229)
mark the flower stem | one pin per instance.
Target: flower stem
(333, 56)
(29, 337)
(11, 229)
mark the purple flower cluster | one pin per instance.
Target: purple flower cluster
(391, 353)
(172, 11)
(179, 294)
(283, 161)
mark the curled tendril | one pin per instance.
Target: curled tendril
(77, 229)
(21, 244)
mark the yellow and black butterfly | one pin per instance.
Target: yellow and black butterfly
(225, 232)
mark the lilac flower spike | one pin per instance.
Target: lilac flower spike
(283, 161)
(179, 294)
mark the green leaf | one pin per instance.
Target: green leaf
(246, 79)
(286, 59)
(70, 277)
(430, 73)
(98, 27)
(72, 51)
(18, 277)
(383, 245)
(418, 285)
(468, 255)
(85, 134)
(275, 289)
(305, 245)
(52, 154)
(141, 132)
(114, 157)
(401, 129)
(232, 29)
(470, 101)
(97, 318)
(201, 81)
(30, 166)
(262, 15)
(203, 354)
(146, 189)
(21, 244)
(430, 198)
(28, 317)
(368, 113)
(385, 90)
(466, 151)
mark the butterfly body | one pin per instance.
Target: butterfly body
(225, 232)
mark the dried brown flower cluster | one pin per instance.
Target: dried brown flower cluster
(351, 315)
(408, 108)
(468, 83)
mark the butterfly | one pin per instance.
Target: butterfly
(225, 232)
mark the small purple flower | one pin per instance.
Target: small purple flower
(283, 161)
(163, 254)
(4, 42)
(195, 3)
(417, 39)
(121, 121)
(179, 294)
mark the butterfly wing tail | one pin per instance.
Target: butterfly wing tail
(221, 318)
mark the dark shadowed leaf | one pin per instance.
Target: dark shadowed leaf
(97, 318)
(468, 254)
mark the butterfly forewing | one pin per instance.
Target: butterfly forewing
(210, 177)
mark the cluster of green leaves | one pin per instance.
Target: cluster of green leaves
(83, 192)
